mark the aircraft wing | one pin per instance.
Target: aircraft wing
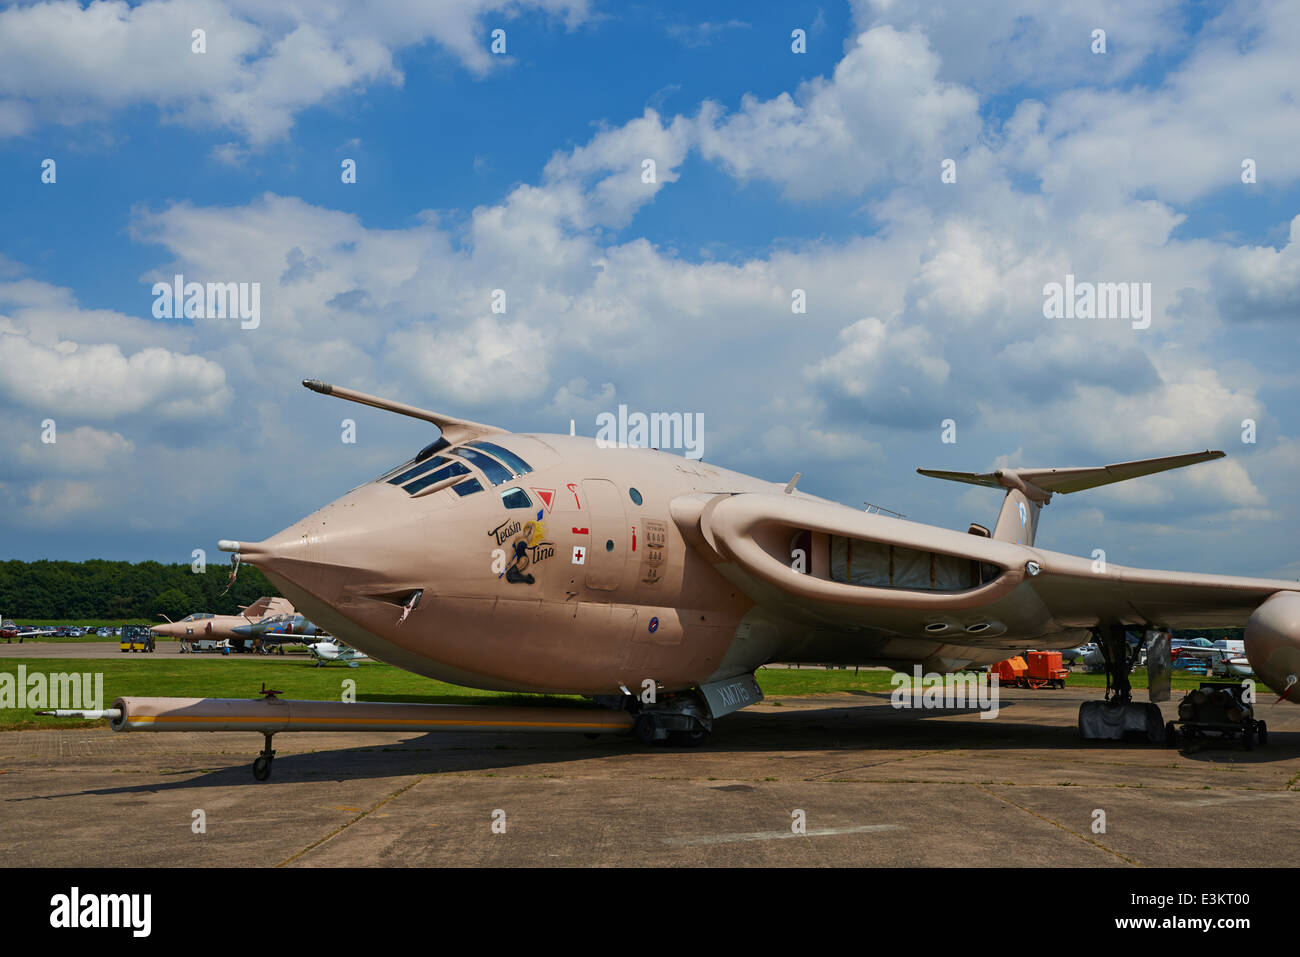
(917, 580)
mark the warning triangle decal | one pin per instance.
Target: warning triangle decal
(547, 495)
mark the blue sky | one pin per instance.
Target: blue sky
(447, 139)
(776, 171)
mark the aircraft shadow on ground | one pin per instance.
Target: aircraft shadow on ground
(862, 728)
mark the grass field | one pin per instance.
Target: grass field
(242, 677)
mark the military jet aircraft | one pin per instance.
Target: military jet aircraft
(205, 625)
(656, 585)
(547, 563)
(279, 628)
(274, 631)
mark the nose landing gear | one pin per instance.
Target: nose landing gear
(682, 720)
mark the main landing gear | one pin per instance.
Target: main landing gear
(262, 763)
(1119, 714)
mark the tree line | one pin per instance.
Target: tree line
(99, 589)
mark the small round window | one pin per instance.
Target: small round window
(609, 545)
(634, 495)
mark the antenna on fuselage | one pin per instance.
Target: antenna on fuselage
(572, 428)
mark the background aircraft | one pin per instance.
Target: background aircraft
(276, 628)
(222, 627)
(1080, 652)
(326, 651)
(9, 631)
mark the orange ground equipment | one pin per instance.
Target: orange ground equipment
(1011, 673)
(1046, 670)
(1043, 670)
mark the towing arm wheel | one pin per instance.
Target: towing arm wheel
(1171, 734)
(262, 763)
(1263, 732)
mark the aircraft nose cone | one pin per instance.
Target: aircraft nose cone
(1272, 643)
(354, 545)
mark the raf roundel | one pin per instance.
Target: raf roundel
(654, 624)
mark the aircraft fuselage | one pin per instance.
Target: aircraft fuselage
(580, 576)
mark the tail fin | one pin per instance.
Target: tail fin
(266, 606)
(1028, 490)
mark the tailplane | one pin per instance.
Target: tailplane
(1028, 490)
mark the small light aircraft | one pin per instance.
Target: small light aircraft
(656, 585)
(9, 631)
(331, 650)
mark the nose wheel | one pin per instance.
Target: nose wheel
(681, 720)
(262, 763)
(645, 727)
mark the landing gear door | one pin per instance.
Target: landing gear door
(731, 694)
(1159, 669)
(607, 553)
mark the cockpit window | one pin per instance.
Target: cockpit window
(197, 616)
(519, 466)
(497, 473)
(468, 488)
(429, 450)
(426, 466)
(516, 498)
(449, 471)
